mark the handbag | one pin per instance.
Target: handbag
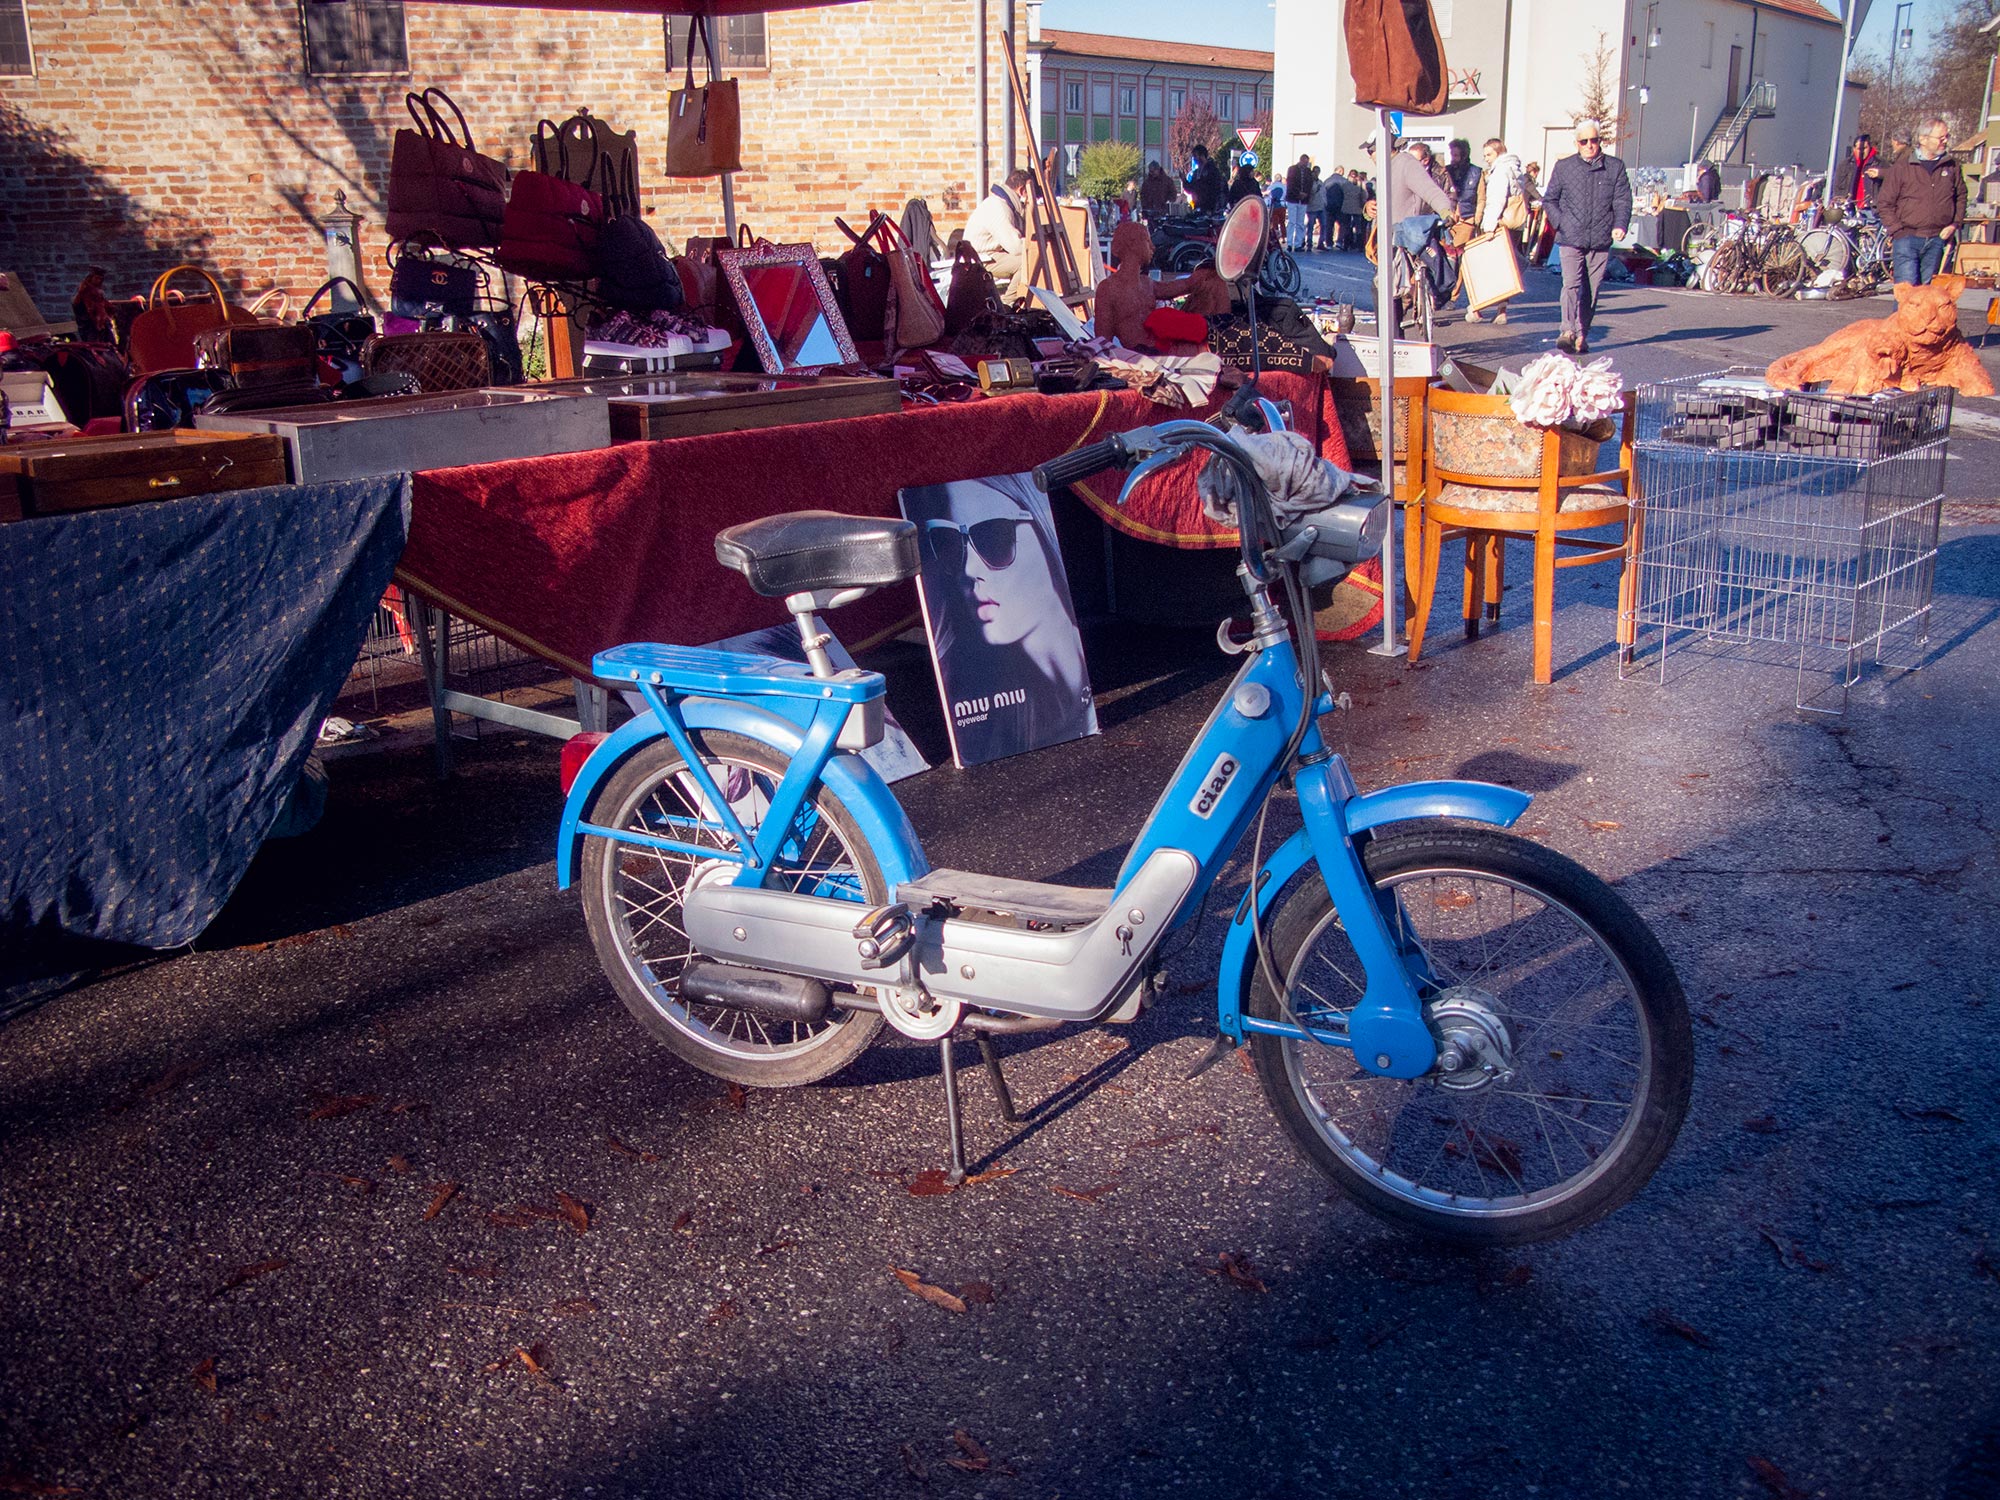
(1396, 55)
(338, 336)
(866, 274)
(704, 126)
(616, 154)
(1514, 215)
(162, 337)
(634, 272)
(440, 361)
(498, 329)
(701, 278)
(439, 184)
(916, 314)
(254, 355)
(163, 399)
(972, 289)
(425, 287)
(551, 226)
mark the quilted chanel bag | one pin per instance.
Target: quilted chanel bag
(440, 361)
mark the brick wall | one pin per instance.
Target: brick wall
(176, 130)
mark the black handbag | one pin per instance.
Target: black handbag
(338, 336)
(426, 287)
(496, 327)
(634, 271)
(165, 399)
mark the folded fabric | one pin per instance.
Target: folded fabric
(1169, 325)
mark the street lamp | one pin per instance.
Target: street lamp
(1901, 36)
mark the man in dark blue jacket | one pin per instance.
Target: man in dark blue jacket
(1589, 200)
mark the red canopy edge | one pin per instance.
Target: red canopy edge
(655, 7)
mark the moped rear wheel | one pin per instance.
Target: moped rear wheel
(1579, 1058)
(632, 905)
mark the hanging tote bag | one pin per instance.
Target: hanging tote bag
(865, 274)
(439, 183)
(704, 126)
(162, 337)
(916, 314)
(552, 223)
(634, 272)
(972, 289)
(1396, 55)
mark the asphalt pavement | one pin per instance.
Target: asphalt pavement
(378, 1191)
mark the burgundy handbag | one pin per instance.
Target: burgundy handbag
(972, 289)
(552, 223)
(439, 183)
(866, 275)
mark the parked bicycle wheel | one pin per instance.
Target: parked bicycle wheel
(632, 905)
(1784, 267)
(1577, 1056)
(1729, 267)
(1699, 240)
(1829, 250)
(1280, 276)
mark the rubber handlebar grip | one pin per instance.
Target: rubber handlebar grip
(1069, 467)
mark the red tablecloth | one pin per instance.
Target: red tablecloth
(568, 555)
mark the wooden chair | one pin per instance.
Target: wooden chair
(1357, 404)
(1488, 478)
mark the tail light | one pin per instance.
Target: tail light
(575, 751)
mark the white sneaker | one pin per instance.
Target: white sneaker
(1473, 317)
(1499, 318)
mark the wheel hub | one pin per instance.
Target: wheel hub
(1475, 1049)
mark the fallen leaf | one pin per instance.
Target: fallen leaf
(575, 1307)
(399, 1165)
(1773, 1479)
(1763, 1125)
(1084, 1195)
(574, 1211)
(978, 1294)
(443, 1194)
(976, 1460)
(536, 1358)
(1605, 825)
(173, 1078)
(723, 1311)
(1930, 1112)
(203, 1375)
(15, 1483)
(1234, 1265)
(777, 1246)
(937, 1296)
(410, 1107)
(1452, 900)
(1243, 1063)
(1791, 1254)
(913, 1465)
(362, 1185)
(333, 1106)
(932, 1182)
(632, 1151)
(243, 1274)
(738, 1098)
(992, 1174)
(682, 1219)
(1665, 1322)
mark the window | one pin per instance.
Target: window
(1805, 68)
(1176, 101)
(1225, 106)
(1100, 97)
(15, 56)
(1128, 100)
(354, 36)
(1073, 96)
(740, 39)
(1708, 54)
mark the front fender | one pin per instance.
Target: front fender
(884, 826)
(1479, 801)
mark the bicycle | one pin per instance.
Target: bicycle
(1849, 258)
(1761, 256)
(1472, 1036)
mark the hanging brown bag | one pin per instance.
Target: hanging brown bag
(1396, 55)
(162, 337)
(916, 313)
(972, 289)
(704, 125)
(439, 183)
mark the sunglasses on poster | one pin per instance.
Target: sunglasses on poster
(995, 540)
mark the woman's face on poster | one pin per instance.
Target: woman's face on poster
(1005, 573)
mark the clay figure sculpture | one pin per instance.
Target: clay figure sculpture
(1918, 345)
(1127, 296)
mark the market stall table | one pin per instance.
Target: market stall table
(567, 555)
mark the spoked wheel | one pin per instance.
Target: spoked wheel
(1700, 239)
(1186, 256)
(632, 905)
(1729, 267)
(1281, 276)
(1559, 1006)
(1828, 253)
(1785, 268)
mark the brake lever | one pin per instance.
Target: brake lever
(1160, 460)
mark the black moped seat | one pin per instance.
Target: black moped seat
(804, 550)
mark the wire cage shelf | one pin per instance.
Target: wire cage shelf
(1781, 519)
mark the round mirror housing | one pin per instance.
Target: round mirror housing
(1242, 237)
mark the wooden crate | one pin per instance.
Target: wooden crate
(126, 468)
(697, 403)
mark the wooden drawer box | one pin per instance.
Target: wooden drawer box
(91, 473)
(696, 404)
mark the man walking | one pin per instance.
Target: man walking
(1298, 192)
(1589, 202)
(1921, 202)
(1204, 182)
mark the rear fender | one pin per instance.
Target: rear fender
(884, 825)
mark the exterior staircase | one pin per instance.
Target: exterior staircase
(1759, 103)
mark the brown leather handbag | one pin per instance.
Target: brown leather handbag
(162, 337)
(972, 289)
(259, 354)
(916, 313)
(704, 125)
(439, 361)
(1396, 55)
(439, 183)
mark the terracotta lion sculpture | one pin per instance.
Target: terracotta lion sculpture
(1918, 345)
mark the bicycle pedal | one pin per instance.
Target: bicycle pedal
(885, 934)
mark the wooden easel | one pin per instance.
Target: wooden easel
(1054, 264)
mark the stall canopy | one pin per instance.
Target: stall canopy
(659, 7)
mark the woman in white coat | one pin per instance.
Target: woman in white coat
(1503, 183)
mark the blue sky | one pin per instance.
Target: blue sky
(1249, 23)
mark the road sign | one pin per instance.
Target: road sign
(1396, 121)
(1249, 134)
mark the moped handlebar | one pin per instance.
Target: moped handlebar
(1080, 463)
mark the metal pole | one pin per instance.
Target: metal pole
(979, 87)
(1839, 99)
(728, 184)
(1694, 127)
(1385, 332)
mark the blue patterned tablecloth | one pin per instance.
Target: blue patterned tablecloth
(163, 672)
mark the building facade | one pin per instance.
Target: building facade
(135, 135)
(1677, 73)
(1099, 88)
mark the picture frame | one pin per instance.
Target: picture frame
(785, 286)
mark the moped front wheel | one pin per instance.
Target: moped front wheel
(632, 904)
(1559, 1005)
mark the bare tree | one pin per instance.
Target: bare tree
(1600, 88)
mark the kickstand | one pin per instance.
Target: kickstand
(956, 1174)
(992, 1059)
